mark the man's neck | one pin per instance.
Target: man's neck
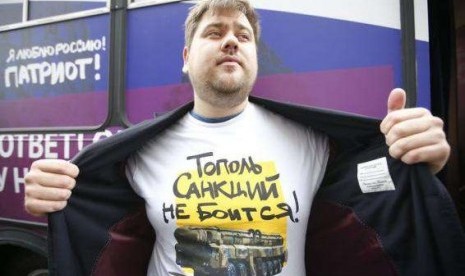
(208, 110)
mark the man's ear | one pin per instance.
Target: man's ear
(185, 57)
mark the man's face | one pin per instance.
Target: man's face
(222, 59)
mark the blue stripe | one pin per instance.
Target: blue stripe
(290, 43)
(423, 75)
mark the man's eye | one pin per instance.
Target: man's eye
(243, 37)
(214, 34)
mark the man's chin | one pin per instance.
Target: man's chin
(227, 90)
(228, 86)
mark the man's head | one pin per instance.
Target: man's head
(197, 11)
(220, 55)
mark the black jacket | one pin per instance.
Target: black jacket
(413, 230)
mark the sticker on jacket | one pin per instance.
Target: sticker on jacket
(373, 176)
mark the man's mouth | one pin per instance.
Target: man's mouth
(229, 61)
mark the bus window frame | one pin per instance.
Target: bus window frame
(53, 19)
(58, 19)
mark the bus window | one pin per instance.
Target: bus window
(11, 11)
(46, 8)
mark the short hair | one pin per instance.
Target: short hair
(198, 10)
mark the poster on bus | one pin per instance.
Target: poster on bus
(49, 71)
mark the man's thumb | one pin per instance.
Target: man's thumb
(397, 99)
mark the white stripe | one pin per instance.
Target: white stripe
(145, 3)
(421, 20)
(385, 13)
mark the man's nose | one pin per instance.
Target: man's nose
(230, 43)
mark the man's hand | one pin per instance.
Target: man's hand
(48, 186)
(413, 134)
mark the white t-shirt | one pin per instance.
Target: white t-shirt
(234, 195)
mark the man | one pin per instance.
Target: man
(228, 173)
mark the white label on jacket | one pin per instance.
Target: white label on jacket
(373, 176)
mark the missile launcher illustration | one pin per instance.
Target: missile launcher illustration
(212, 251)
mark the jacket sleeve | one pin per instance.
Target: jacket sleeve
(104, 229)
(412, 230)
